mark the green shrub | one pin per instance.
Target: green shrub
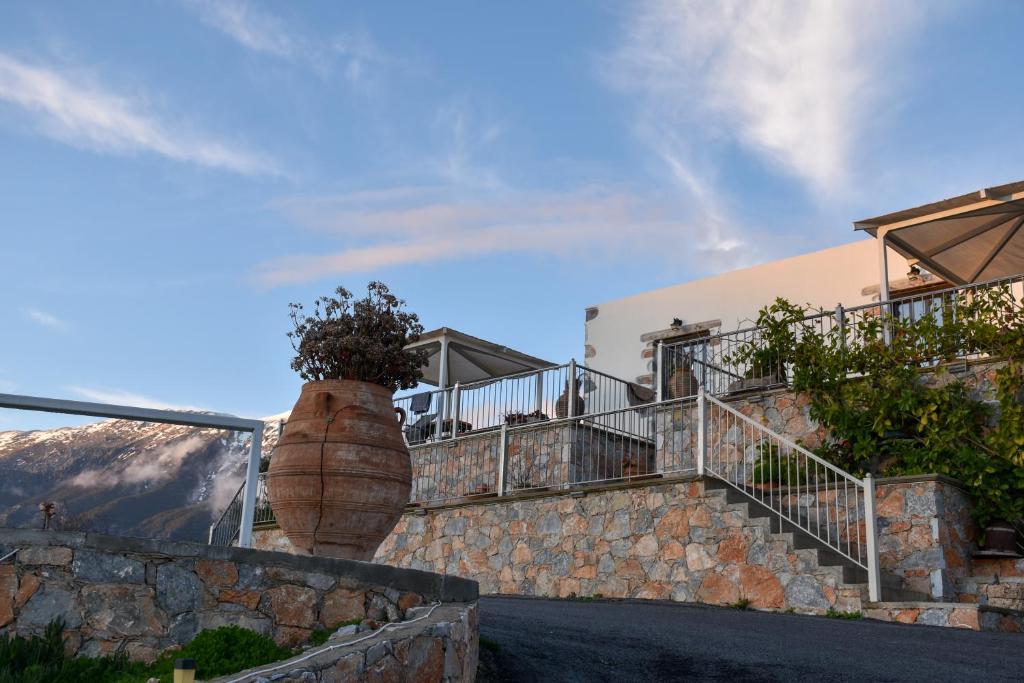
(833, 613)
(221, 651)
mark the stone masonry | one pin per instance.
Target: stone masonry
(144, 596)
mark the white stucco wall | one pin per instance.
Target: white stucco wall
(822, 278)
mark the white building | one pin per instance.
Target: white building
(619, 332)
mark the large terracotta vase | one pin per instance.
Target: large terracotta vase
(340, 476)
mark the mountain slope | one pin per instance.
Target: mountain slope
(122, 477)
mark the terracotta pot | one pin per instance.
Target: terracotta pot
(683, 383)
(340, 476)
(1000, 539)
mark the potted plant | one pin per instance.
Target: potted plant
(767, 352)
(516, 418)
(341, 475)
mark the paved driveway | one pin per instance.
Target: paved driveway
(555, 640)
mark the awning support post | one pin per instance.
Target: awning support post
(442, 385)
(883, 288)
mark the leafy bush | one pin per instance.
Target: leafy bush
(772, 467)
(41, 659)
(884, 416)
(221, 651)
(358, 340)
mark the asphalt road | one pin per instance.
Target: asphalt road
(556, 640)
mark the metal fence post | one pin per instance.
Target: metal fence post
(702, 428)
(538, 399)
(252, 474)
(871, 531)
(572, 391)
(502, 458)
(455, 410)
(841, 323)
(659, 372)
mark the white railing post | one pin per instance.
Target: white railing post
(659, 372)
(252, 474)
(871, 532)
(456, 409)
(702, 428)
(573, 391)
(841, 323)
(502, 458)
(538, 399)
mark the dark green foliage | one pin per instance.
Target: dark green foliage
(772, 467)
(358, 340)
(833, 613)
(740, 604)
(886, 417)
(40, 659)
(221, 651)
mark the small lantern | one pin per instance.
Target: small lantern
(184, 670)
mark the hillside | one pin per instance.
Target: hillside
(130, 478)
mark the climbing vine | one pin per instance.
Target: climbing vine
(882, 388)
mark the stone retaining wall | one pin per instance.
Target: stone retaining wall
(668, 541)
(441, 647)
(146, 595)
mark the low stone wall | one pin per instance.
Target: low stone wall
(667, 541)
(442, 645)
(950, 614)
(145, 596)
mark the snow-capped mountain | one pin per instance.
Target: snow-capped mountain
(123, 477)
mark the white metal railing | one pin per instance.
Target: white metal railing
(519, 399)
(225, 530)
(697, 435)
(176, 417)
(712, 362)
(822, 500)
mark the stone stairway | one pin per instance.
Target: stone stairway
(816, 557)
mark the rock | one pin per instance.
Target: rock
(177, 589)
(121, 610)
(716, 589)
(29, 585)
(51, 555)
(698, 558)
(243, 598)
(293, 606)
(217, 573)
(733, 549)
(345, 670)
(647, 546)
(291, 636)
(424, 659)
(349, 630)
(8, 589)
(409, 600)
(381, 609)
(183, 628)
(341, 605)
(262, 625)
(49, 603)
(761, 587)
(97, 567)
(804, 592)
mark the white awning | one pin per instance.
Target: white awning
(971, 238)
(470, 359)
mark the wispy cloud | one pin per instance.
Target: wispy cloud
(796, 82)
(45, 319)
(126, 398)
(266, 33)
(70, 110)
(156, 466)
(407, 226)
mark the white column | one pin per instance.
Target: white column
(442, 384)
(883, 289)
(871, 531)
(252, 474)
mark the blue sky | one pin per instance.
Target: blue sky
(173, 173)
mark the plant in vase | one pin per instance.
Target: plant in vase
(341, 476)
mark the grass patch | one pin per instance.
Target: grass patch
(833, 613)
(742, 603)
(220, 651)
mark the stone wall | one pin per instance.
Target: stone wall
(667, 541)
(439, 646)
(145, 595)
